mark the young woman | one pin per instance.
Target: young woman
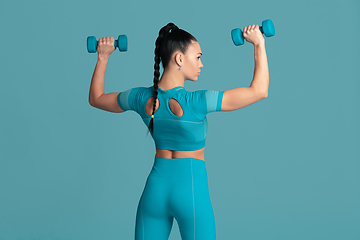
(177, 184)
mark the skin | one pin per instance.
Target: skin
(173, 76)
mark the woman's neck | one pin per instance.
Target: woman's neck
(170, 79)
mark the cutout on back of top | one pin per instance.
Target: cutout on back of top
(150, 105)
(175, 107)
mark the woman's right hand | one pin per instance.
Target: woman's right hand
(105, 47)
(253, 35)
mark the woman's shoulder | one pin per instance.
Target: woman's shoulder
(198, 94)
(140, 90)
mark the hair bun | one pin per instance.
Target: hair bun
(173, 27)
(168, 28)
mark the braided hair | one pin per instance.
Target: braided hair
(170, 39)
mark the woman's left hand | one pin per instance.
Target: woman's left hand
(253, 35)
(105, 47)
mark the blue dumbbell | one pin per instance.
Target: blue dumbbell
(267, 28)
(121, 43)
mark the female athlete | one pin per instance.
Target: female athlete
(177, 185)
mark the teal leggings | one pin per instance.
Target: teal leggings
(176, 188)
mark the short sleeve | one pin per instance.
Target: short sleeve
(213, 100)
(206, 101)
(130, 99)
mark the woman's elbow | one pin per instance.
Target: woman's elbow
(92, 103)
(266, 93)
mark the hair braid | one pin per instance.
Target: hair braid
(156, 81)
(170, 38)
(162, 34)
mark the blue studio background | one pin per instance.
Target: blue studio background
(286, 167)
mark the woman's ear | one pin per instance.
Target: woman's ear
(179, 59)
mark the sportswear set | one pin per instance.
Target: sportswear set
(175, 188)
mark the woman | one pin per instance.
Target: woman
(177, 184)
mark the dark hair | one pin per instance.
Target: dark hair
(170, 39)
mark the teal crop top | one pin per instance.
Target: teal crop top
(185, 133)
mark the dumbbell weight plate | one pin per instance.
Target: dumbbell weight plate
(237, 36)
(122, 43)
(92, 44)
(268, 28)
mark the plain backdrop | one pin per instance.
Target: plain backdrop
(286, 167)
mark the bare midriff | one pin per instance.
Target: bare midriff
(198, 154)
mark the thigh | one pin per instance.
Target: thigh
(194, 213)
(152, 219)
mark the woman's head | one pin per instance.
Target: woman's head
(172, 40)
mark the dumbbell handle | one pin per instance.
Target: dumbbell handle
(261, 29)
(121, 43)
(116, 43)
(267, 29)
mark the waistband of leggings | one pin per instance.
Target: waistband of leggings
(179, 159)
(171, 167)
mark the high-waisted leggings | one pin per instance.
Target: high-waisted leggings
(176, 188)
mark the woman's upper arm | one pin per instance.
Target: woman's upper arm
(107, 102)
(237, 98)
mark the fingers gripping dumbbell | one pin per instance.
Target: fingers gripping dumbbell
(267, 28)
(121, 43)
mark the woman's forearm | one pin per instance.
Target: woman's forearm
(261, 71)
(97, 81)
